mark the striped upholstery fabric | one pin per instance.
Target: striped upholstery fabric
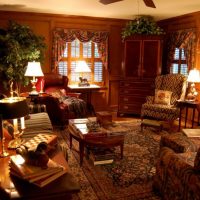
(37, 108)
(37, 123)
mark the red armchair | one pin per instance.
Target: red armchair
(60, 103)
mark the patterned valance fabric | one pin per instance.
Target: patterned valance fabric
(182, 39)
(61, 36)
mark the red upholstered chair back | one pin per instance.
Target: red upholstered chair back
(51, 82)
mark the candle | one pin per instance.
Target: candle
(22, 123)
(41, 86)
(15, 124)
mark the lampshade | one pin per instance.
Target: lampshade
(12, 108)
(194, 76)
(82, 67)
(34, 69)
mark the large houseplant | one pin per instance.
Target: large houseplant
(142, 25)
(18, 45)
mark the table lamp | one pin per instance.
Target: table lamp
(193, 77)
(13, 108)
(34, 70)
(81, 68)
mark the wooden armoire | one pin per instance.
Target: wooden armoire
(142, 59)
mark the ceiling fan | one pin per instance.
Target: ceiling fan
(148, 3)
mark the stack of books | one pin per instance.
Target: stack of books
(101, 156)
(35, 174)
(79, 127)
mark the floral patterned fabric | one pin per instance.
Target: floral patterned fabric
(179, 142)
(176, 83)
(176, 178)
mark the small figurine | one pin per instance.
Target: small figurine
(37, 157)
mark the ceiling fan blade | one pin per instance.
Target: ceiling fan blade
(149, 3)
(108, 1)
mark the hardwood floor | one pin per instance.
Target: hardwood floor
(165, 125)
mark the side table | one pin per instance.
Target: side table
(188, 104)
(17, 189)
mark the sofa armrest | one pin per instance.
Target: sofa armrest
(173, 172)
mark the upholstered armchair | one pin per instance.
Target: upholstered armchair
(168, 89)
(61, 104)
(178, 175)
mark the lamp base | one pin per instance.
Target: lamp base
(15, 143)
(4, 154)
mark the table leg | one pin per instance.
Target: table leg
(81, 151)
(186, 116)
(193, 114)
(70, 140)
(180, 115)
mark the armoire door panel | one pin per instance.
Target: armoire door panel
(150, 58)
(132, 58)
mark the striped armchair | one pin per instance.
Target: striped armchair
(175, 84)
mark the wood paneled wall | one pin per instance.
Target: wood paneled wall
(188, 21)
(43, 24)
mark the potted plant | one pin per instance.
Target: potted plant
(18, 46)
(142, 25)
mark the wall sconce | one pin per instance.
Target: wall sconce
(81, 68)
(34, 70)
(13, 108)
(193, 77)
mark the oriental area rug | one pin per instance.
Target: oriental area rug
(129, 178)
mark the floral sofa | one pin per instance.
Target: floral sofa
(178, 168)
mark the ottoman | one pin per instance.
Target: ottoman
(179, 142)
(151, 123)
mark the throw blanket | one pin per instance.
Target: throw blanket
(75, 105)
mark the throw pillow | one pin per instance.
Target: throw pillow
(162, 97)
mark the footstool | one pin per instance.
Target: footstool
(151, 123)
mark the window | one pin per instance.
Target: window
(76, 51)
(179, 65)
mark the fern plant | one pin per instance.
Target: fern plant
(142, 25)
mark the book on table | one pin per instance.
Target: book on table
(190, 132)
(79, 126)
(35, 174)
(101, 156)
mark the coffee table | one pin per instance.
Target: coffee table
(102, 142)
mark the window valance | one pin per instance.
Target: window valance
(62, 36)
(182, 39)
